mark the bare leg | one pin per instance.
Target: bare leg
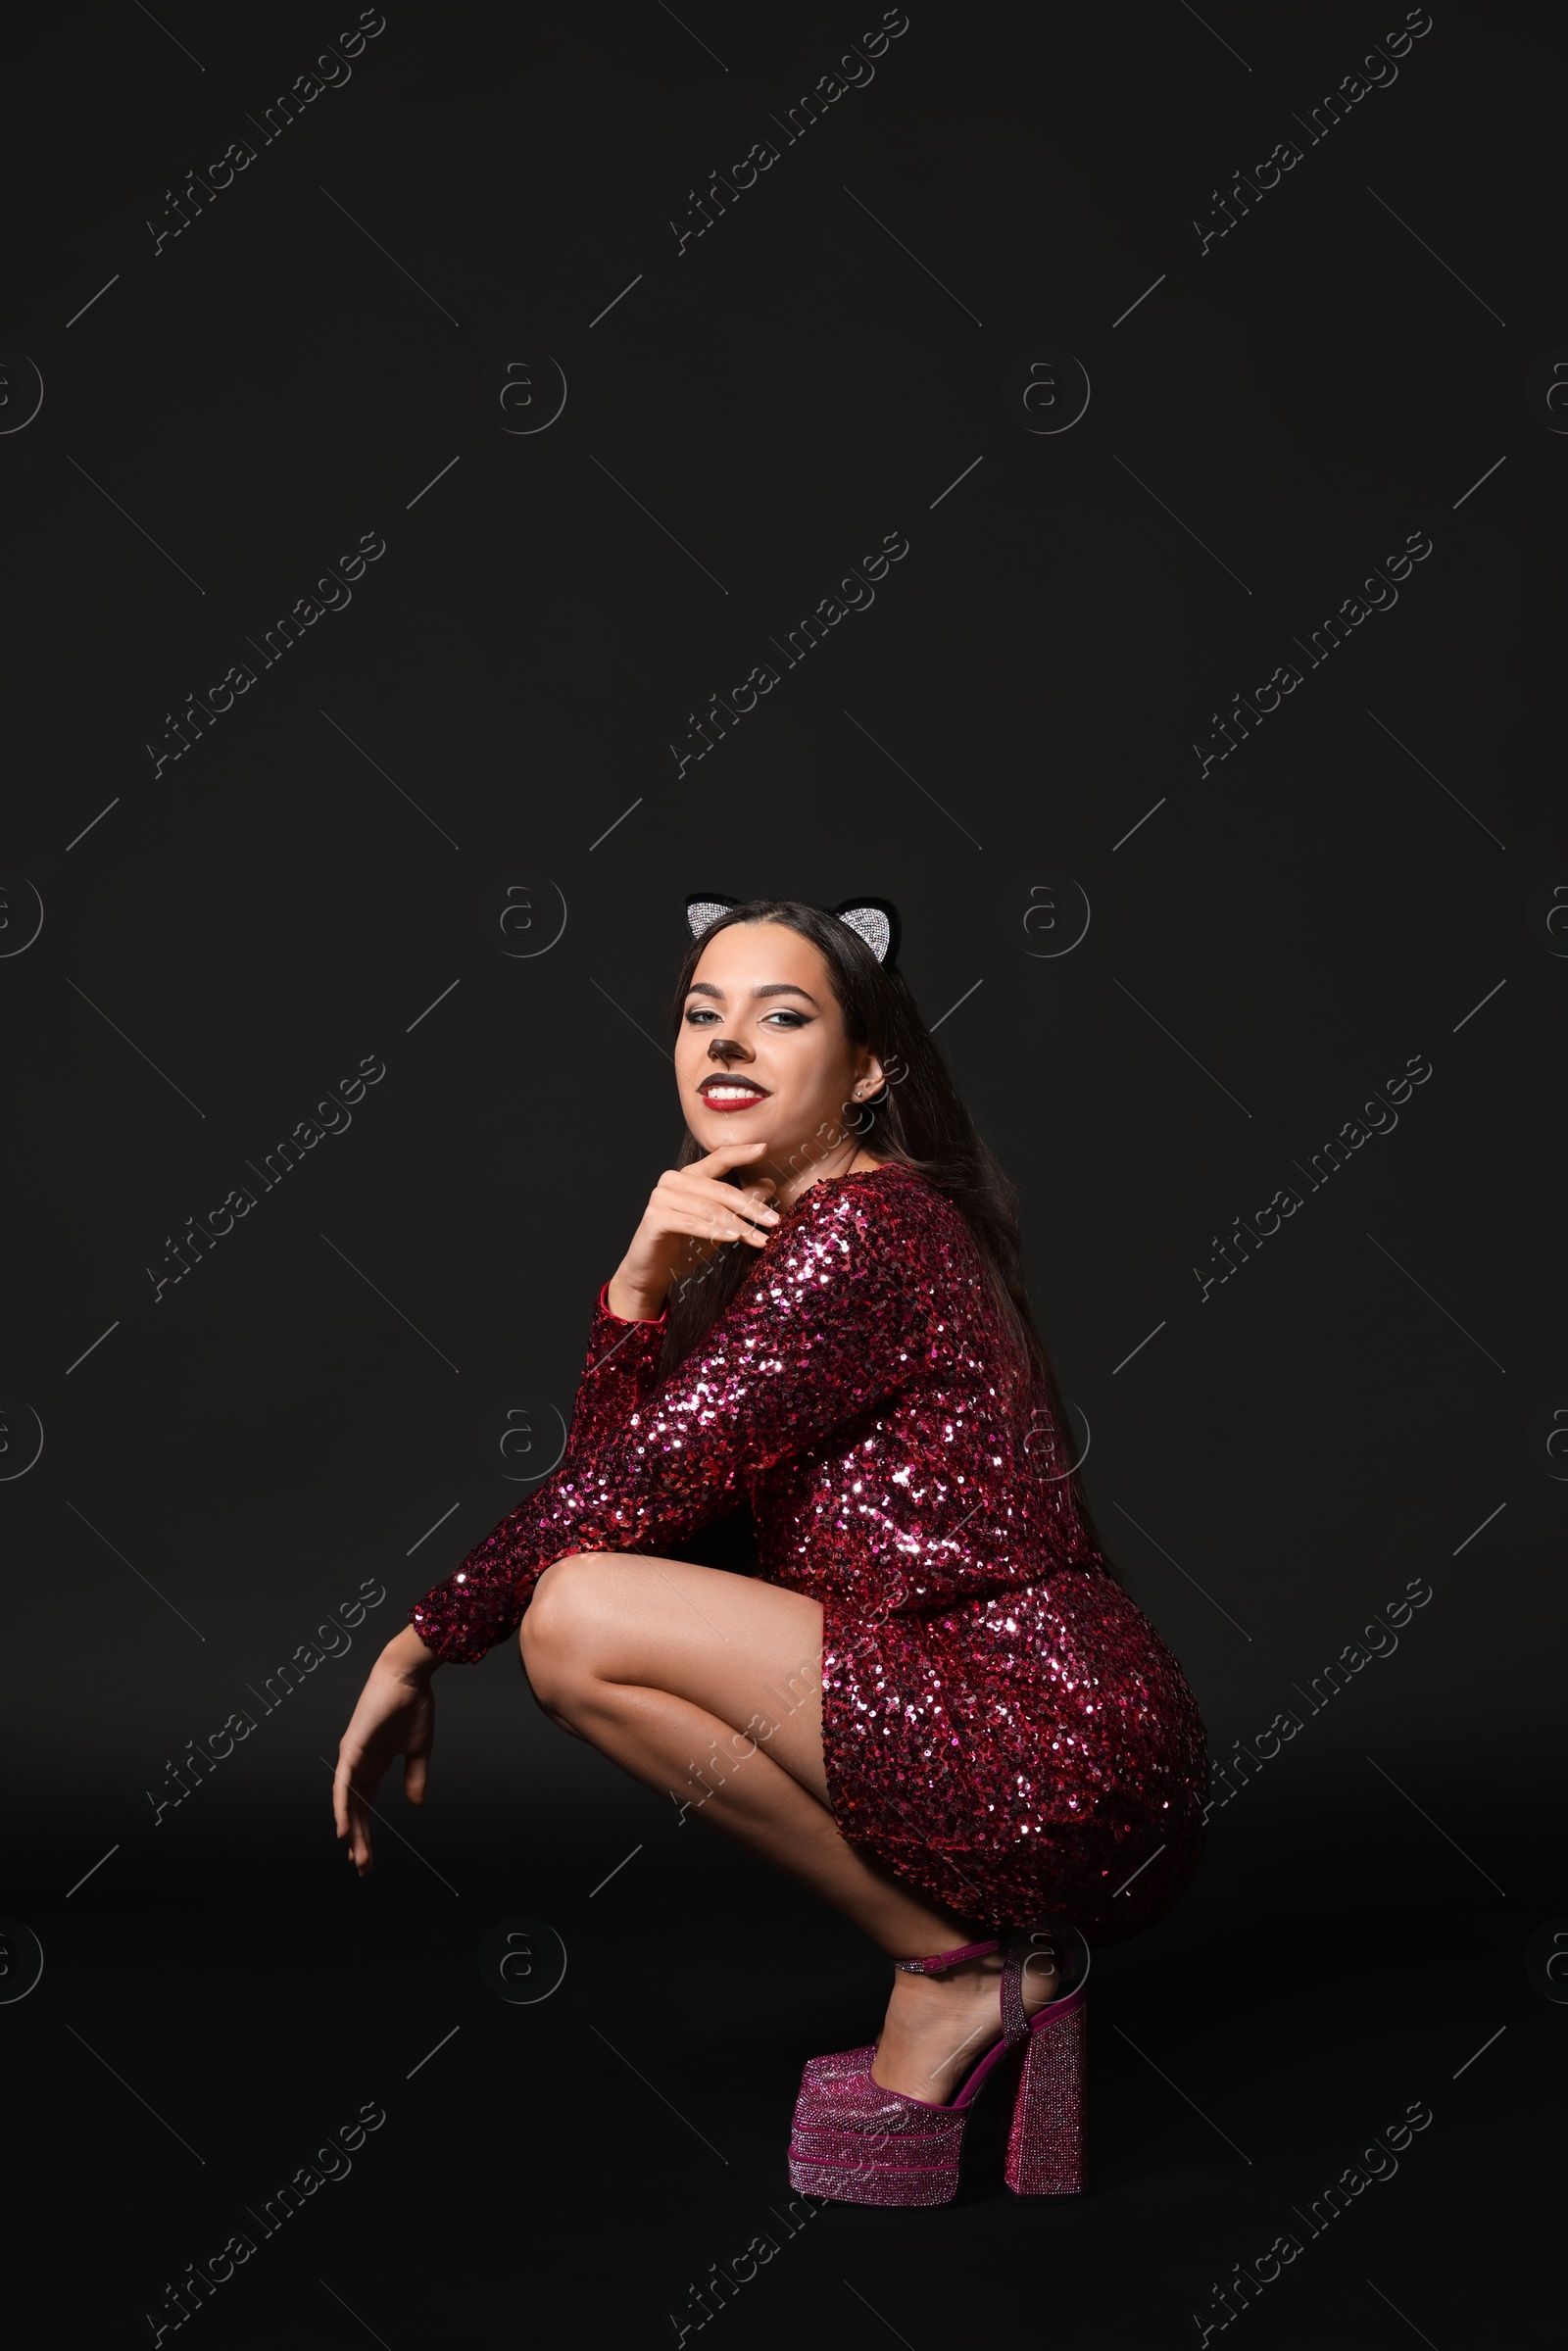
(709, 1685)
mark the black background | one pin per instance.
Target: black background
(323, 874)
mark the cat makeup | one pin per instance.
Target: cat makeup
(762, 1054)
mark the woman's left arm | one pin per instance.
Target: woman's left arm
(827, 1326)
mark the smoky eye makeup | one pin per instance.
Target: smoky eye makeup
(702, 1014)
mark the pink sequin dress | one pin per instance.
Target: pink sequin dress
(1001, 1726)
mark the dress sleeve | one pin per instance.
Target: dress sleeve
(827, 1326)
(622, 1372)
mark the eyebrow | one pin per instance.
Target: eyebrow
(774, 988)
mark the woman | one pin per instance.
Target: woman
(932, 1702)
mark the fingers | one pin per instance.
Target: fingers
(353, 1821)
(395, 1716)
(351, 1784)
(746, 1208)
(752, 1200)
(710, 1210)
(727, 1155)
(360, 1852)
(713, 1221)
(417, 1757)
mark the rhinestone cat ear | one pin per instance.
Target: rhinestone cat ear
(876, 921)
(703, 912)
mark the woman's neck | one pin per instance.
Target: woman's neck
(842, 1161)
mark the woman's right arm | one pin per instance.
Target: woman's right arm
(691, 1213)
(690, 1217)
(832, 1328)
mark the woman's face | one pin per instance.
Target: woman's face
(764, 1056)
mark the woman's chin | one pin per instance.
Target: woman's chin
(712, 1128)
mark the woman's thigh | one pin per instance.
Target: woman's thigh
(747, 1651)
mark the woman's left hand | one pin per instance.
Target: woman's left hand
(395, 1716)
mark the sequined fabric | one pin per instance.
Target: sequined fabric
(1001, 1726)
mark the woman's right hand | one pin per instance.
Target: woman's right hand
(395, 1716)
(687, 1206)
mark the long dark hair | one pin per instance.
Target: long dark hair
(918, 1120)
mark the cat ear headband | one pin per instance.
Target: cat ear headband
(873, 920)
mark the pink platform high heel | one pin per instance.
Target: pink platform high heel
(860, 2143)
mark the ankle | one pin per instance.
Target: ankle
(916, 1995)
(975, 1944)
(972, 1980)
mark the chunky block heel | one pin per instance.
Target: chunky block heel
(1045, 2144)
(858, 2142)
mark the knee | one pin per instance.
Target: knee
(555, 1634)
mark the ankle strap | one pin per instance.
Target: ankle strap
(940, 1961)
